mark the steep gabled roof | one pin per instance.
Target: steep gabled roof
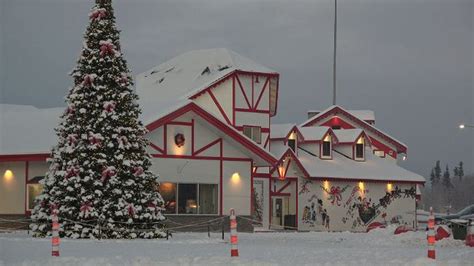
(289, 153)
(373, 169)
(188, 74)
(401, 147)
(315, 133)
(228, 131)
(351, 135)
(366, 115)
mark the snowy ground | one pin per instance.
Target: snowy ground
(379, 247)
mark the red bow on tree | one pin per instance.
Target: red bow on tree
(109, 106)
(86, 207)
(131, 210)
(98, 14)
(95, 140)
(107, 173)
(72, 139)
(123, 80)
(72, 171)
(88, 80)
(138, 171)
(106, 48)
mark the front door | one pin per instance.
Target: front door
(279, 210)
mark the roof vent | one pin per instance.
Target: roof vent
(223, 68)
(206, 71)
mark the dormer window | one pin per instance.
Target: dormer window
(254, 133)
(292, 141)
(359, 149)
(326, 147)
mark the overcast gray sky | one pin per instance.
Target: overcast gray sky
(410, 61)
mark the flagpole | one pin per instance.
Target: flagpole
(334, 55)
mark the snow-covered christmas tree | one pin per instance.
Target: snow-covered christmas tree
(98, 177)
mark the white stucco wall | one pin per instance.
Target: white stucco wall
(12, 188)
(344, 214)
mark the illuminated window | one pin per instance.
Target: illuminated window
(254, 133)
(189, 198)
(33, 190)
(359, 149)
(168, 193)
(327, 147)
(292, 144)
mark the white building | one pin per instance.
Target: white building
(209, 113)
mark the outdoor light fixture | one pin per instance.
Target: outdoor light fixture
(361, 186)
(389, 187)
(404, 157)
(235, 179)
(8, 175)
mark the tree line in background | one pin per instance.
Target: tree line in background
(446, 192)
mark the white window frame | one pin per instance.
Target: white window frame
(255, 133)
(197, 199)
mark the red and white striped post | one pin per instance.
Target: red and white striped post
(470, 234)
(234, 251)
(55, 238)
(431, 235)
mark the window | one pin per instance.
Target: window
(254, 133)
(185, 198)
(168, 193)
(292, 144)
(379, 153)
(207, 199)
(359, 149)
(327, 147)
(34, 190)
(336, 127)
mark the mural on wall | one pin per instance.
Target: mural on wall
(314, 213)
(305, 186)
(258, 200)
(335, 194)
(367, 210)
(338, 205)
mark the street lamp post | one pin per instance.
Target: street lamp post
(462, 126)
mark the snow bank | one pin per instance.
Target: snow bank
(378, 247)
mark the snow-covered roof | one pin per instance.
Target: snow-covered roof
(187, 74)
(373, 168)
(281, 130)
(313, 133)
(366, 125)
(348, 135)
(25, 129)
(366, 115)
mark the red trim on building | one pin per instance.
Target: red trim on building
(27, 166)
(219, 107)
(264, 88)
(243, 110)
(196, 157)
(24, 157)
(154, 146)
(292, 155)
(221, 178)
(243, 92)
(365, 180)
(206, 147)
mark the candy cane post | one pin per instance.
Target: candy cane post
(431, 235)
(470, 234)
(234, 251)
(55, 239)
